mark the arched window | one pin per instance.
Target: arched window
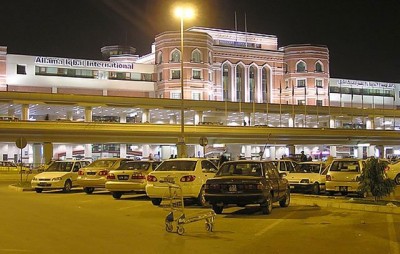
(159, 57)
(301, 66)
(226, 82)
(318, 67)
(175, 56)
(252, 83)
(264, 84)
(240, 83)
(196, 56)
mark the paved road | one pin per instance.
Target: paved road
(55, 222)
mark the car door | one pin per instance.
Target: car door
(74, 173)
(272, 178)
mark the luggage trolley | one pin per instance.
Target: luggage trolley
(177, 215)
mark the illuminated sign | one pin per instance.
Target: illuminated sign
(365, 83)
(68, 62)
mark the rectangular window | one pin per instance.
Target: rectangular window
(175, 74)
(318, 83)
(21, 69)
(175, 95)
(319, 103)
(196, 74)
(196, 96)
(301, 102)
(301, 83)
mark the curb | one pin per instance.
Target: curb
(349, 205)
(19, 189)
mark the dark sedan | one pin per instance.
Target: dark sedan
(247, 182)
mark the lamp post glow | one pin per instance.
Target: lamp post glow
(182, 13)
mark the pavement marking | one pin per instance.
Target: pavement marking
(128, 207)
(394, 244)
(270, 226)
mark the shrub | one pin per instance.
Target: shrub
(373, 179)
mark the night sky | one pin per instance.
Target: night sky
(363, 36)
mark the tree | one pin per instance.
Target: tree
(373, 179)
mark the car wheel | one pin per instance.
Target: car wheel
(316, 189)
(180, 230)
(286, 201)
(117, 194)
(156, 201)
(217, 209)
(38, 190)
(201, 201)
(88, 190)
(67, 186)
(266, 207)
(397, 179)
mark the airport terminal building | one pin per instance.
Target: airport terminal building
(218, 66)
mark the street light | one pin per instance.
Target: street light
(182, 13)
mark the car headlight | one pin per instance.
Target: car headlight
(305, 181)
(56, 179)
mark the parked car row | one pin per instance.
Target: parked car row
(240, 182)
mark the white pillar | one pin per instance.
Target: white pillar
(68, 152)
(88, 151)
(172, 119)
(291, 122)
(122, 118)
(88, 114)
(199, 151)
(360, 152)
(146, 151)
(332, 151)
(332, 123)
(198, 117)
(122, 150)
(371, 151)
(70, 115)
(146, 116)
(247, 152)
(25, 112)
(381, 151)
(272, 153)
(369, 124)
(37, 154)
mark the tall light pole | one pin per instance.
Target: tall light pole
(182, 13)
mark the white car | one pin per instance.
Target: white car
(393, 172)
(308, 176)
(344, 176)
(129, 177)
(59, 175)
(95, 174)
(190, 174)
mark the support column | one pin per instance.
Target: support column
(360, 152)
(47, 152)
(247, 152)
(371, 151)
(146, 151)
(68, 152)
(246, 120)
(381, 151)
(122, 118)
(70, 115)
(332, 122)
(292, 149)
(198, 117)
(88, 151)
(88, 114)
(369, 123)
(172, 119)
(37, 154)
(272, 152)
(291, 122)
(122, 150)
(332, 151)
(25, 112)
(146, 116)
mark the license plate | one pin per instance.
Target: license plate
(91, 173)
(343, 188)
(44, 184)
(123, 177)
(232, 188)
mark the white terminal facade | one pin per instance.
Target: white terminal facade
(219, 65)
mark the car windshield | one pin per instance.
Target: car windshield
(307, 168)
(102, 164)
(177, 165)
(345, 166)
(240, 169)
(135, 165)
(60, 166)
